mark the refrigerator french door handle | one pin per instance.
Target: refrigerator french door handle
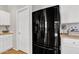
(45, 38)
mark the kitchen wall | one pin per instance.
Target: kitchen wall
(2, 28)
(70, 26)
(69, 14)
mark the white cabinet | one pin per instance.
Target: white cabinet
(69, 13)
(4, 18)
(70, 50)
(6, 42)
(70, 46)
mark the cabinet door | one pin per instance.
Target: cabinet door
(1, 43)
(70, 50)
(10, 39)
(7, 42)
(4, 18)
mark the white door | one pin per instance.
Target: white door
(23, 29)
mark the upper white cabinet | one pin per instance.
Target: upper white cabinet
(69, 13)
(4, 18)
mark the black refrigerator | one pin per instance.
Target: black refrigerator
(46, 31)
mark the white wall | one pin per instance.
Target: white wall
(69, 13)
(38, 7)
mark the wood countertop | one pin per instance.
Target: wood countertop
(69, 36)
(6, 33)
